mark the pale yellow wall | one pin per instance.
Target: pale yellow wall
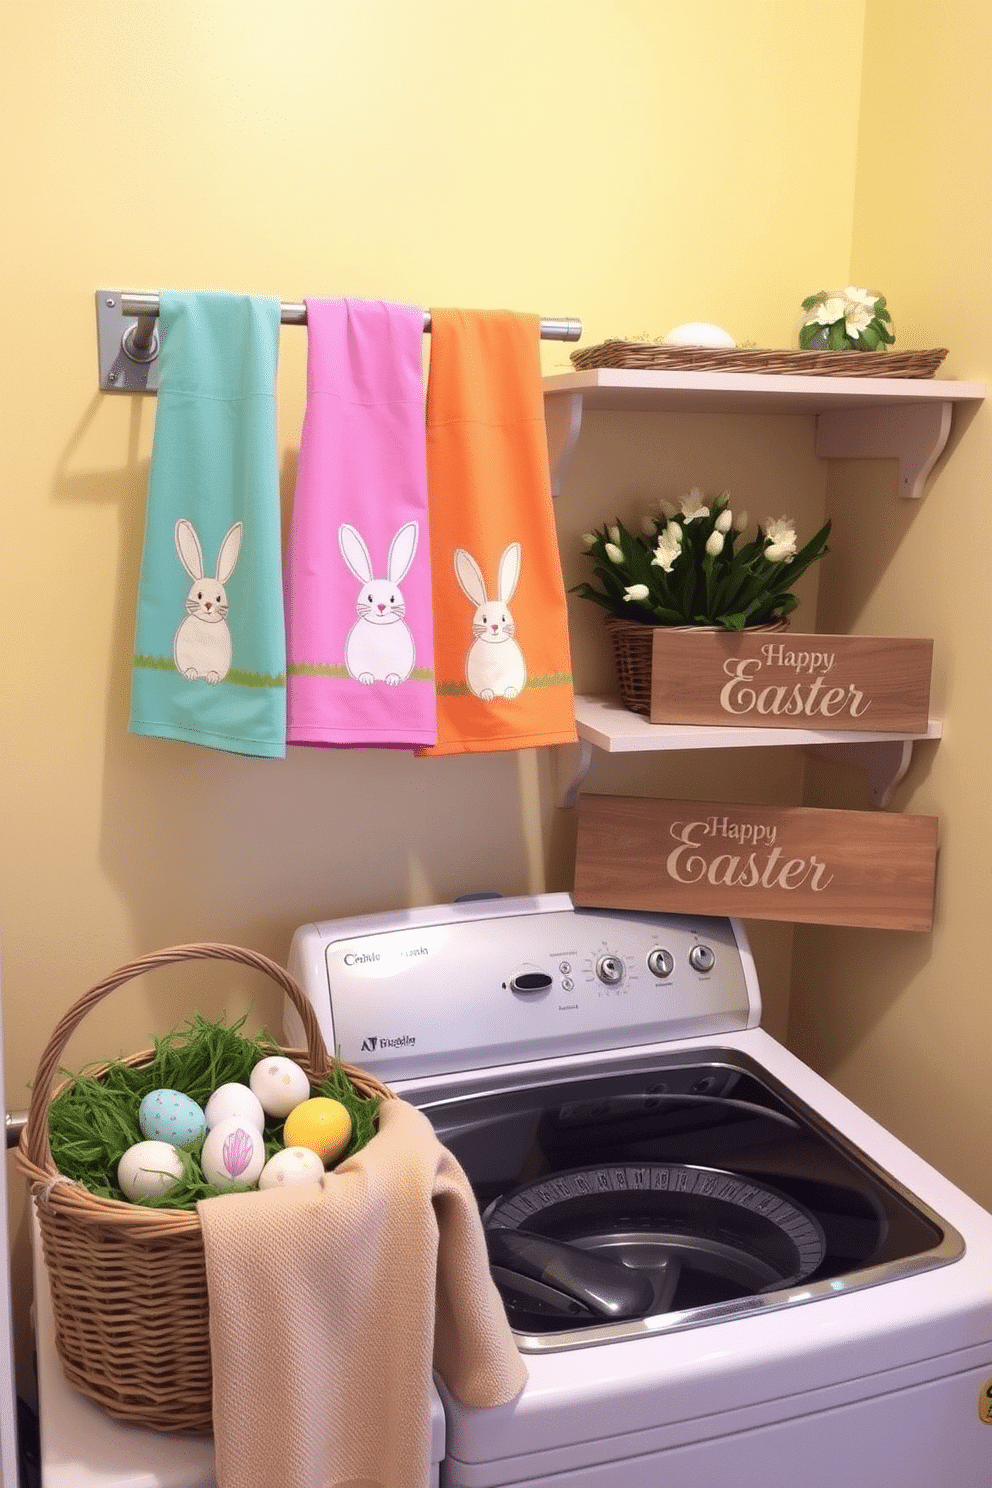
(631, 162)
(623, 461)
(902, 1023)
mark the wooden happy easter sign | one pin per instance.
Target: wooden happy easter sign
(803, 864)
(777, 680)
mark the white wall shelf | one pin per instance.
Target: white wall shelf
(604, 723)
(904, 418)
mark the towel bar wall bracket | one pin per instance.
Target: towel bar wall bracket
(127, 346)
(127, 342)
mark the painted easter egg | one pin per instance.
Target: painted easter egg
(149, 1169)
(322, 1124)
(170, 1116)
(233, 1153)
(234, 1099)
(280, 1085)
(291, 1167)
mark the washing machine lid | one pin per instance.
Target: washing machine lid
(490, 982)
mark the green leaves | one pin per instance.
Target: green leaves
(736, 587)
(839, 339)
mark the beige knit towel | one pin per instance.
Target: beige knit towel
(330, 1303)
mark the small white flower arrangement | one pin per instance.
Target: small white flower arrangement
(692, 565)
(848, 319)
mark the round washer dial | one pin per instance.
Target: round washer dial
(609, 969)
(661, 963)
(701, 958)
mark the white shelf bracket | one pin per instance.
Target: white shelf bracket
(569, 785)
(913, 433)
(563, 419)
(885, 762)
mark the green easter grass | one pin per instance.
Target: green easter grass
(94, 1120)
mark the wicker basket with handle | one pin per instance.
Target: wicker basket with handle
(128, 1283)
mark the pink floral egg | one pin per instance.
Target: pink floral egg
(233, 1153)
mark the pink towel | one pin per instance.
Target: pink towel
(359, 616)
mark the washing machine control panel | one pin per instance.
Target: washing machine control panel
(467, 986)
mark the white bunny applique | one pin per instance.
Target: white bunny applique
(495, 666)
(202, 645)
(380, 645)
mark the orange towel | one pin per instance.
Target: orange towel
(501, 653)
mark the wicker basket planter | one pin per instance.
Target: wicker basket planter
(633, 648)
(128, 1283)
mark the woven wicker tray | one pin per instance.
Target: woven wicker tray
(649, 356)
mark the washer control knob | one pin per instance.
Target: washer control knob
(609, 969)
(701, 958)
(661, 963)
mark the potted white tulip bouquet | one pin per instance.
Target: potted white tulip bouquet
(691, 566)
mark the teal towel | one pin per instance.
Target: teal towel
(210, 649)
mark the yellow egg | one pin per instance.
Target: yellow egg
(321, 1124)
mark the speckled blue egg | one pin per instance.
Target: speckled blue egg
(170, 1116)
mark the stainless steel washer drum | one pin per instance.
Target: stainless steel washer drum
(617, 1241)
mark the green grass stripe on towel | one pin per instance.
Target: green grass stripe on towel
(337, 669)
(533, 684)
(239, 678)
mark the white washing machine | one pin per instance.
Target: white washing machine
(722, 1273)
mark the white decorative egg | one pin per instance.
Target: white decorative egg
(290, 1167)
(698, 333)
(234, 1099)
(233, 1153)
(280, 1085)
(149, 1169)
(170, 1116)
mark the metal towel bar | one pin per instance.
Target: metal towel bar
(128, 342)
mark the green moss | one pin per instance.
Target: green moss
(94, 1120)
